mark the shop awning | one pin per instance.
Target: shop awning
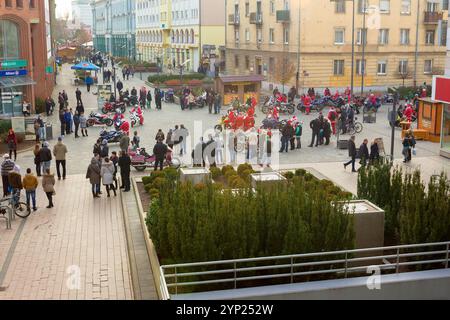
(10, 82)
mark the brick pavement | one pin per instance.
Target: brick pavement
(80, 236)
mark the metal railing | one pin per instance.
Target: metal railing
(342, 264)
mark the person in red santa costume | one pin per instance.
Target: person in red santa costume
(408, 113)
(348, 94)
(327, 93)
(239, 124)
(307, 104)
(333, 116)
(249, 122)
(275, 113)
(336, 95)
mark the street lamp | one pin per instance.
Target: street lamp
(353, 43)
(181, 70)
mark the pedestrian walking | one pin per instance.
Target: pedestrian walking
(6, 167)
(124, 143)
(45, 156)
(160, 136)
(94, 175)
(11, 141)
(315, 126)
(219, 149)
(66, 99)
(60, 151)
(49, 106)
(62, 121)
(210, 100)
(78, 96)
(158, 101)
(119, 86)
(76, 122)
(68, 121)
(169, 139)
(351, 153)
(149, 99)
(217, 103)
(48, 184)
(83, 125)
(364, 153)
(37, 160)
(115, 161)
(104, 150)
(374, 153)
(160, 152)
(89, 82)
(125, 168)
(298, 134)
(407, 145)
(107, 174)
(15, 183)
(30, 184)
(61, 101)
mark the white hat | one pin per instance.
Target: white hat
(6, 156)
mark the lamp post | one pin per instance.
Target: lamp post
(353, 44)
(363, 40)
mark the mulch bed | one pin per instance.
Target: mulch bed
(145, 197)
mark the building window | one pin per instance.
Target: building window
(445, 5)
(404, 36)
(383, 36)
(361, 36)
(271, 65)
(8, 3)
(247, 62)
(338, 67)
(339, 36)
(382, 67)
(9, 40)
(340, 6)
(360, 67)
(385, 6)
(406, 7)
(286, 36)
(272, 7)
(19, 3)
(429, 37)
(247, 35)
(403, 67)
(247, 9)
(236, 61)
(428, 67)
(271, 35)
(363, 5)
(236, 36)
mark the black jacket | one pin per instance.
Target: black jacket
(288, 131)
(160, 151)
(125, 164)
(374, 151)
(45, 155)
(363, 151)
(315, 125)
(351, 148)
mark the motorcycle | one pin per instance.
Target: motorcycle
(141, 160)
(113, 106)
(122, 125)
(169, 96)
(283, 108)
(369, 106)
(273, 124)
(136, 118)
(387, 98)
(111, 136)
(99, 119)
(315, 106)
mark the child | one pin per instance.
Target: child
(136, 141)
(30, 183)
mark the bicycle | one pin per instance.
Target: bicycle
(20, 208)
(354, 127)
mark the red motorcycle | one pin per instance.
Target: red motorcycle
(141, 160)
(99, 119)
(113, 106)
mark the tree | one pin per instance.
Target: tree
(81, 36)
(404, 73)
(284, 71)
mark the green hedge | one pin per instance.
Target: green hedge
(5, 125)
(415, 213)
(203, 223)
(166, 77)
(408, 93)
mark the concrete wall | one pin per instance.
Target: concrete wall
(428, 285)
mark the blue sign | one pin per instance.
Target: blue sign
(13, 73)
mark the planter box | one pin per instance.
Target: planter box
(267, 180)
(342, 144)
(195, 175)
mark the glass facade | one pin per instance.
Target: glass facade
(445, 141)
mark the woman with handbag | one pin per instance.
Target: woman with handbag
(48, 184)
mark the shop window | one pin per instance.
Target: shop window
(9, 40)
(231, 89)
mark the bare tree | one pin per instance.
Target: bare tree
(404, 74)
(284, 71)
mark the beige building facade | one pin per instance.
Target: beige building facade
(312, 39)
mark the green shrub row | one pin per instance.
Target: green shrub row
(203, 223)
(408, 93)
(166, 77)
(415, 213)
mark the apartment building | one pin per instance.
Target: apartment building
(312, 40)
(81, 13)
(26, 53)
(181, 32)
(114, 27)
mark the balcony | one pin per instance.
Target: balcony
(284, 16)
(234, 20)
(432, 17)
(256, 18)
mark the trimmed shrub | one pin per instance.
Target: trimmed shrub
(288, 175)
(215, 172)
(166, 77)
(300, 172)
(39, 105)
(147, 180)
(243, 167)
(226, 168)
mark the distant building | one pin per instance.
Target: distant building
(174, 32)
(81, 13)
(114, 27)
(26, 54)
(447, 65)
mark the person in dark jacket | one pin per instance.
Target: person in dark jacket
(78, 96)
(316, 126)
(158, 99)
(76, 122)
(104, 150)
(149, 99)
(68, 121)
(49, 105)
(93, 174)
(45, 156)
(97, 147)
(160, 152)
(351, 154)
(6, 167)
(327, 131)
(364, 152)
(119, 86)
(198, 156)
(79, 108)
(125, 168)
(286, 134)
(62, 120)
(374, 153)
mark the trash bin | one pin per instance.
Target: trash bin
(49, 132)
(342, 144)
(370, 117)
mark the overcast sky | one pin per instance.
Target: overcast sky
(63, 7)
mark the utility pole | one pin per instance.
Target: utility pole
(353, 48)
(364, 40)
(298, 47)
(416, 55)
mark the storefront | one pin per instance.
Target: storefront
(241, 87)
(441, 92)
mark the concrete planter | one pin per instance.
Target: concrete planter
(195, 175)
(267, 180)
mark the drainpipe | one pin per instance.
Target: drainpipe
(200, 31)
(298, 47)
(416, 53)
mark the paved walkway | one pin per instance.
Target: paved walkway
(77, 250)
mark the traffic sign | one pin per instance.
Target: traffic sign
(8, 64)
(49, 69)
(13, 73)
